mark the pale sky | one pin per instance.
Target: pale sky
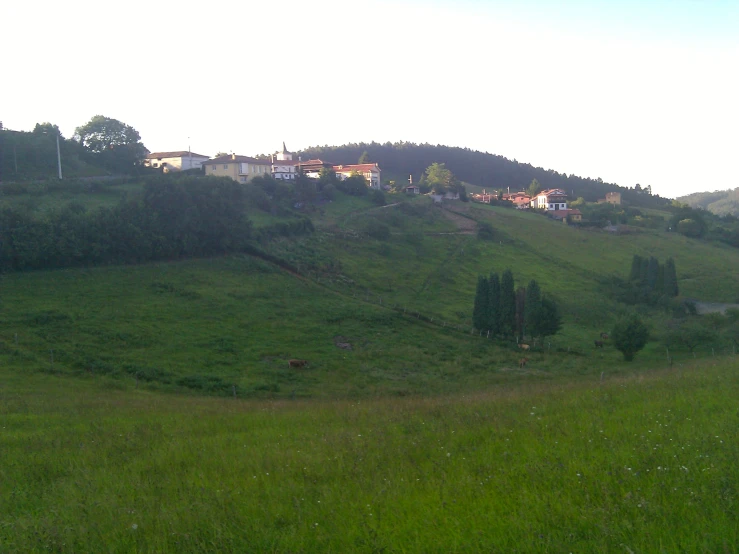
(632, 92)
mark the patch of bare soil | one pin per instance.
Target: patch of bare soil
(465, 225)
(713, 307)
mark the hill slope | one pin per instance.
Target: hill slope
(720, 202)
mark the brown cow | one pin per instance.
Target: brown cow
(599, 344)
(524, 346)
(604, 336)
(297, 363)
(522, 362)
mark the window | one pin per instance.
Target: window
(243, 179)
(155, 164)
(225, 166)
(214, 168)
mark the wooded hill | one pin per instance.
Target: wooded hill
(719, 202)
(401, 159)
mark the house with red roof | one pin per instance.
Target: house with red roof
(550, 199)
(371, 172)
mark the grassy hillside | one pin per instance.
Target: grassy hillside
(402, 301)
(639, 464)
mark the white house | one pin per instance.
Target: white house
(283, 166)
(371, 172)
(550, 199)
(175, 161)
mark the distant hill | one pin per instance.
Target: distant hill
(401, 159)
(719, 202)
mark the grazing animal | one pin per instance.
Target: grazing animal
(599, 344)
(522, 362)
(524, 346)
(297, 363)
(604, 336)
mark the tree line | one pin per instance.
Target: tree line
(174, 217)
(502, 311)
(401, 159)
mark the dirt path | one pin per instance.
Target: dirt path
(713, 307)
(465, 225)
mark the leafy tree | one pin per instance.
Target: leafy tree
(47, 128)
(691, 333)
(113, 144)
(532, 309)
(507, 303)
(629, 336)
(494, 304)
(480, 310)
(439, 178)
(354, 185)
(364, 158)
(534, 188)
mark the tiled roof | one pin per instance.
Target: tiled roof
(177, 154)
(552, 192)
(356, 167)
(235, 158)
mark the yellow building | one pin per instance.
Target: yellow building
(240, 168)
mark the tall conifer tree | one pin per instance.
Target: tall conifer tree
(494, 303)
(670, 285)
(635, 268)
(507, 304)
(532, 309)
(481, 309)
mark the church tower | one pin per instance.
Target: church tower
(284, 155)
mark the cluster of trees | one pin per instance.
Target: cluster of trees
(174, 217)
(440, 180)
(401, 159)
(102, 146)
(503, 311)
(658, 278)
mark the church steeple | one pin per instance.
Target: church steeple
(284, 155)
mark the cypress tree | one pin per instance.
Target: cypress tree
(507, 304)
(643, 269)
(480, 311)
(660, 286)
(635, 268)
(670, 285)
(494, 303)
(652, 272)
(532, 309)
(550, 320)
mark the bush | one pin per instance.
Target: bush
(629, 336)
(485, 231)
(378, 230)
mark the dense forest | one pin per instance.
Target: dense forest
(401, 159)
(719, 202)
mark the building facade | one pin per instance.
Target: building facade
(551, 199)
(371, 172)
(239, 168)
(180, 160)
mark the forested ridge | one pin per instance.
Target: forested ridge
(401, 159)
(719, 202)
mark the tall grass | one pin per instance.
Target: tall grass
(638, 463)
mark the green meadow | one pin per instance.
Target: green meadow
(638, 463)
(151, 407)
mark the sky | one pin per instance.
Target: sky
(632, 92)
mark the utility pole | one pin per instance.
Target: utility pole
(58, 157)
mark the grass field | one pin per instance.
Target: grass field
(638, 463)
(151, 408)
